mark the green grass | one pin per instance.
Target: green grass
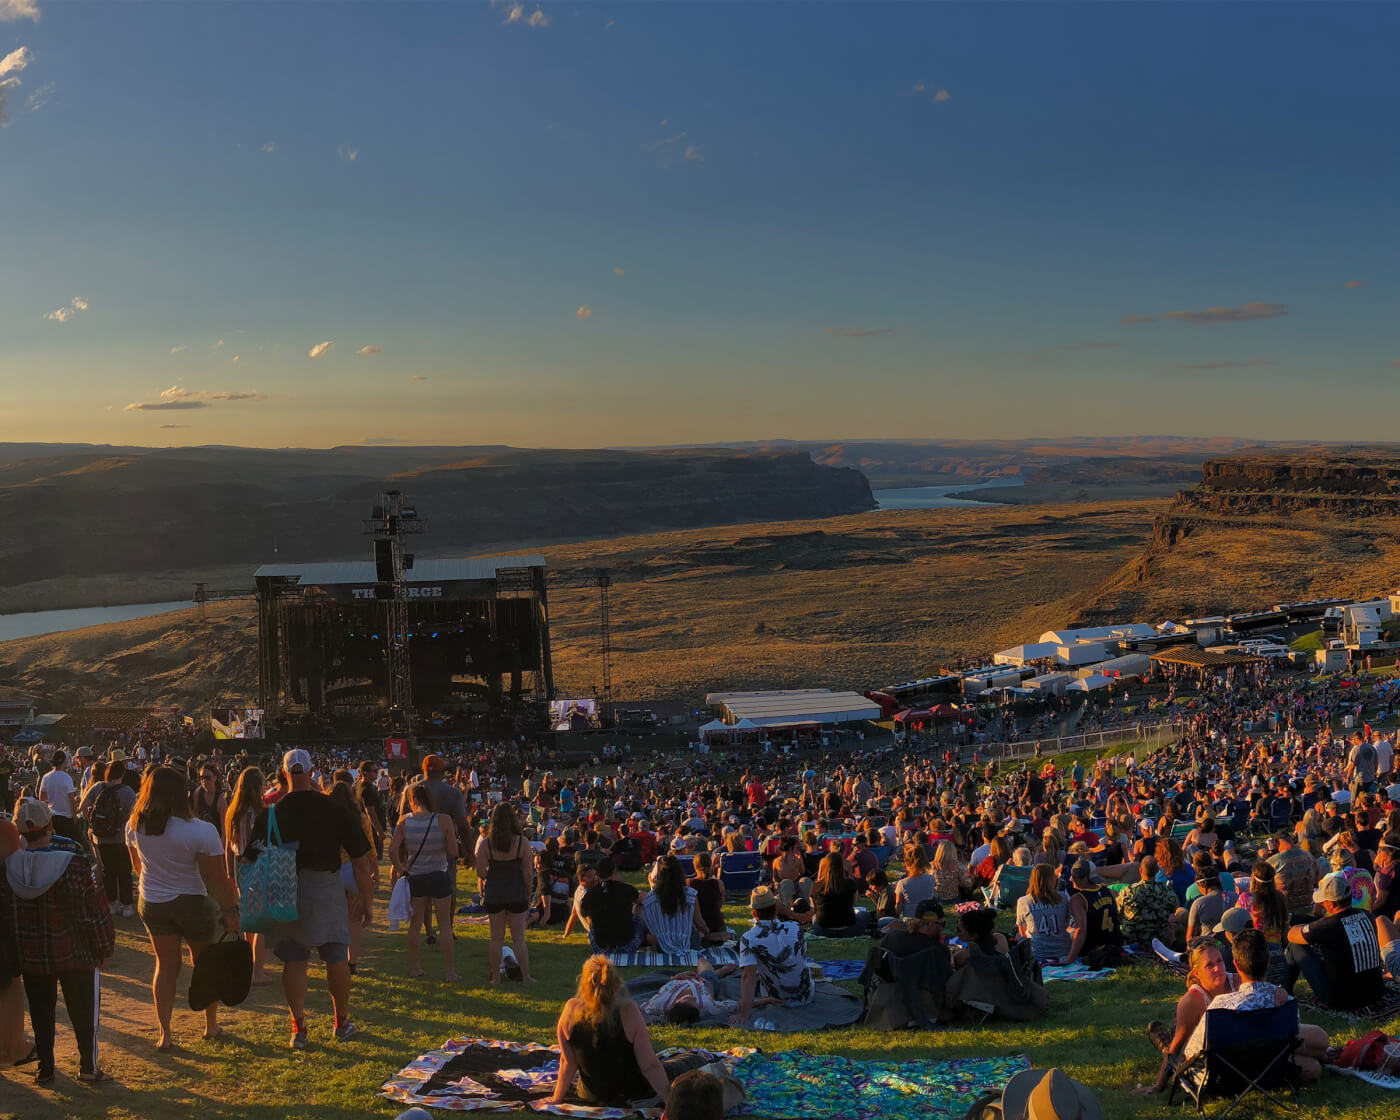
(1307, 643)
(1094, 1030)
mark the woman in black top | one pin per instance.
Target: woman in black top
(833, 900)
(209, 802)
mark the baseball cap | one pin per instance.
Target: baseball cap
(296, 762)
(1333, 888)
(84, 752)
(762, 898)
(1234, 921)
(32, 816)
(433, 762)
(1082, 869)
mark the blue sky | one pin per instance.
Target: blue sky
(625, 223)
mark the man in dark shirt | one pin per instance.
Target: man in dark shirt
(1339, 954)
(610, 908)
(320, 828)
(1099, 938)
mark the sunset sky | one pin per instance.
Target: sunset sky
(623, 223)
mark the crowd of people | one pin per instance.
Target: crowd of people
(1261, 851)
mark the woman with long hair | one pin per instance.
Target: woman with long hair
(243, 808)
(505, 865)
(1206, 979)
(180, 862)
(669, 912)
(709, 896)
(423, 849)
(604, 1045)
(209, 802)
(950, 876)
(833, 900)
(343, 793)
(1172, 863)
(1042, 914)
(918, 883)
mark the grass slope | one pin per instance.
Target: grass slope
(1095, 1031)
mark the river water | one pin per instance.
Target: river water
(936, 497)
(34, 623)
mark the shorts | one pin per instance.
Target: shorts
(332, 952)
(711, 981)
(431, 884)
(194, 917)
(1392, 959)
(517, 907)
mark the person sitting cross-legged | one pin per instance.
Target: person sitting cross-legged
(773, 957)
(1339, 954)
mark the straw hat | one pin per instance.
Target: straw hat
(1048, 1094)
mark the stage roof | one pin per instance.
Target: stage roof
(423, 571)
(778, 709)
(1203, 658)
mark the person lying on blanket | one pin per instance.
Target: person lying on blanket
(605, 1048)
(689, 996)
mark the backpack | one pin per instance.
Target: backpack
(106, 816)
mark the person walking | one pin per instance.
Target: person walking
(56, 789)
(107, 804)
(423, 849)
(181, 864)
(321, 829)
(57, 915)
(238, 833)
(507, 867)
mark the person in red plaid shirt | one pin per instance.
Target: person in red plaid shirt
(58, 915)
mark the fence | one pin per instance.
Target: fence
(1151, 735)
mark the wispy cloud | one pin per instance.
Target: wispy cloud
(416, 377)
(914, 90)
(235, 359)
(179, 399)
(669, 141)
(857, 332)
(270, 146)
(178, 349)
(11, 66)
(66, 313)
(368, 351)
(39, 97)
(1228, 365)
(166, 427)
(19, 9)
(617, 272)
(347, 153)
(1354, 284)
(942, 95)
(1212, 315)
(583, 312)
(219, 345)
(319, 349)
(517, 13)
(693, 153)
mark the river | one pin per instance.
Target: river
(936, 497)
(34, 623)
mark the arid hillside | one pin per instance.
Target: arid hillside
(1260, 529)
(860, 601)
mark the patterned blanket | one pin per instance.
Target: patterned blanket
(652, 958)
(1075, 971)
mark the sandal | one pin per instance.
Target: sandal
(96, 1077)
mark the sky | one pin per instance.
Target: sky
(611, 224)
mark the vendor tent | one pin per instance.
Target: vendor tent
(1092, 683)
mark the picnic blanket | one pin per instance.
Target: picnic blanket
(831, 1005)
(1076, 971)
(653, 958)
(1371, 1077)
(479, 1074)
(793, 1085)
(840, 970)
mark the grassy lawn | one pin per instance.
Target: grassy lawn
(1095, 1030)
(1308, 642)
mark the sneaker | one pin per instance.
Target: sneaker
(298, 1035)
(1168, 955)
(346, 1031)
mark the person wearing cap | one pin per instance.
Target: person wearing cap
(56, 789)
(321, 828)
(1098, 933)
(773, 960)
(57, 915)
(1338, 954)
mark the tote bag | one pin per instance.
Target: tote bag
(267, 887)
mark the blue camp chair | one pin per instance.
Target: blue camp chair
(1244, 1052)
(1011, 884)
(740, 872)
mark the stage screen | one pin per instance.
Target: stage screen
(573, 715)
(237, 723)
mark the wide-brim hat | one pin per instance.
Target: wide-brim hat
(1048, 1094)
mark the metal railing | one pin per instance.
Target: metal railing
(1151, 735)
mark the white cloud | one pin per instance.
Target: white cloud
(618, 272)
(583, 313)
(693, 153)
(270, 146)
(1211, 315)
(179, 399)
(942, 95)
(319, 349)
(177, 349)
(347, 153)
(19, 9)
(40, 97)
(16, 61)
(916, 88)
(516, 13)
(219, 345)
(64, 314)
(367, 351)
(236, 358)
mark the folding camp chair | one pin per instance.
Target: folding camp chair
(1011, 884)
(740, 873)
(1244, 1052)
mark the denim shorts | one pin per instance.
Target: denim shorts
(431, 884)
